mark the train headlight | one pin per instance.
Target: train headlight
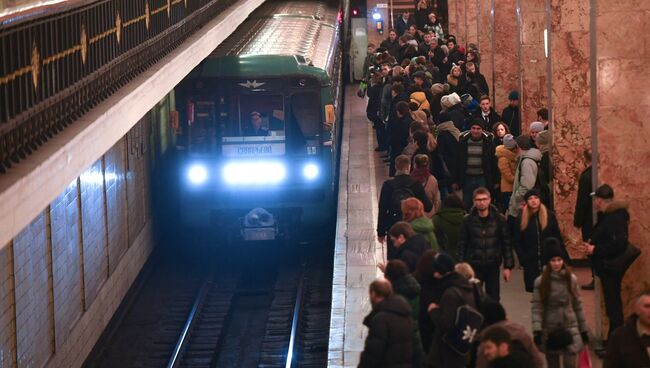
(254, 173)
(197, 174)
(310, 171)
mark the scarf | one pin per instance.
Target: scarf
(449, 127)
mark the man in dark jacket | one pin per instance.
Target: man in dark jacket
(583, 215)
(390, 329)
(484, 243)
(487, 113)
(456, 291)
(410, 246)
(629, 345)
(501, 351)
(476, 161)
(609, 240)
(510, 114)
(476, 79)
(387, 217)
(398, 133)
(373, 112)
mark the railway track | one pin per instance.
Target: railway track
(266, 315)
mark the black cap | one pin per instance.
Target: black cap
(604, 191)
(443, 263)
(533, 192)
(478, 122)
(551, 247)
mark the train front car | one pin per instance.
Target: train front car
(258, 126)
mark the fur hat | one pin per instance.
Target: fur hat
(509, 141)
(536, 126)
(443, 263)
(419, 115)
(437, 88)
(523, 142)
(449, 101)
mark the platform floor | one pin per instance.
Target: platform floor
(357, 252)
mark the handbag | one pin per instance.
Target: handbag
(622, 262)
(584, 360)
(559, 339)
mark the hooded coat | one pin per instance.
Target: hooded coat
(448, 220)
(420, 98)
(457, 291)
(507, 162)
(409, 288)
(525, 178)
(561, 311)
(390, 335)
(610, 234)
(424, 226)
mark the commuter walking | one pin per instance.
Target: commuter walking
(476, 161)
(609, 240)
(629, 345)
(559, 324)
(447, 222)
(583, 215)
(536, 225)
(390, 329)
(392, 193)
(484, 243)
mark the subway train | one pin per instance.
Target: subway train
(258, 129)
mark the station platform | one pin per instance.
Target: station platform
(357, 252)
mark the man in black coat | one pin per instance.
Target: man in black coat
(629, 345)
(410, 246)
(390, 329)
(475, 78)
(386, 217)
(510, 114)
(398, 133)
(609, 240)
(583, 215)
(484, 243)
(456, 291)
(476, 161)
(500, 351)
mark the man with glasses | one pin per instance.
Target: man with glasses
(484, 242)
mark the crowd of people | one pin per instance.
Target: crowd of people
(469, 197)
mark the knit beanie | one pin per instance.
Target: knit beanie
(443, 263)
(509, 141)
(536, 126)
(551, 247)
(532, 192)
(523, 142)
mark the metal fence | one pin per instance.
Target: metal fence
(56, 67)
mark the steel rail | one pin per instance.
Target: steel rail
(297, 309)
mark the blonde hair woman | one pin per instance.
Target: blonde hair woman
(535, 224)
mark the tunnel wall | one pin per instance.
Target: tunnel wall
(63, 277)
(604, 114)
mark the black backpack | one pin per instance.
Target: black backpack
(399, 194)
(467, 324)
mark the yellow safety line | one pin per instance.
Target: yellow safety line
(159, 10)
(103, 35)
(61, 55)
(16, 74)
(134, 20)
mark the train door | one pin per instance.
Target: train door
(358, 47)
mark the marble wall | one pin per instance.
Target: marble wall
(623, 129)
(506, 60)
(533, 76)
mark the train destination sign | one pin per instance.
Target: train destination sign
(251, 150)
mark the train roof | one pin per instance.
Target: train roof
(279, 38)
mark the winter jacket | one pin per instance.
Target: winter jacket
(485, 244)
(385, 218)
(583, 216)
(489, 162)
(528, 244)
(412, 249)
(457, 291)
(420, 98)
(507, 162)
(561, 311)
(409, 288)
(398, 134)
(447, 153)
(390, 335)
(625, 349)
(519, 334)
(425, 227)
(510, 116)
(448, 221)
(610, 234)
(391, 47)
(525, 178)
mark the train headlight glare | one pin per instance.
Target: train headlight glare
(197, 174)
(310, 171)
(254, 173)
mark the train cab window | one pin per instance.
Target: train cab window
(306, 110)
(261, 116)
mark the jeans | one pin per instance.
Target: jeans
(569, 360)
(490, 277)
(471, 183)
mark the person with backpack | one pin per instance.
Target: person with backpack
(392, 193)
(455, 318)
(528, 159)
(559, 325)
